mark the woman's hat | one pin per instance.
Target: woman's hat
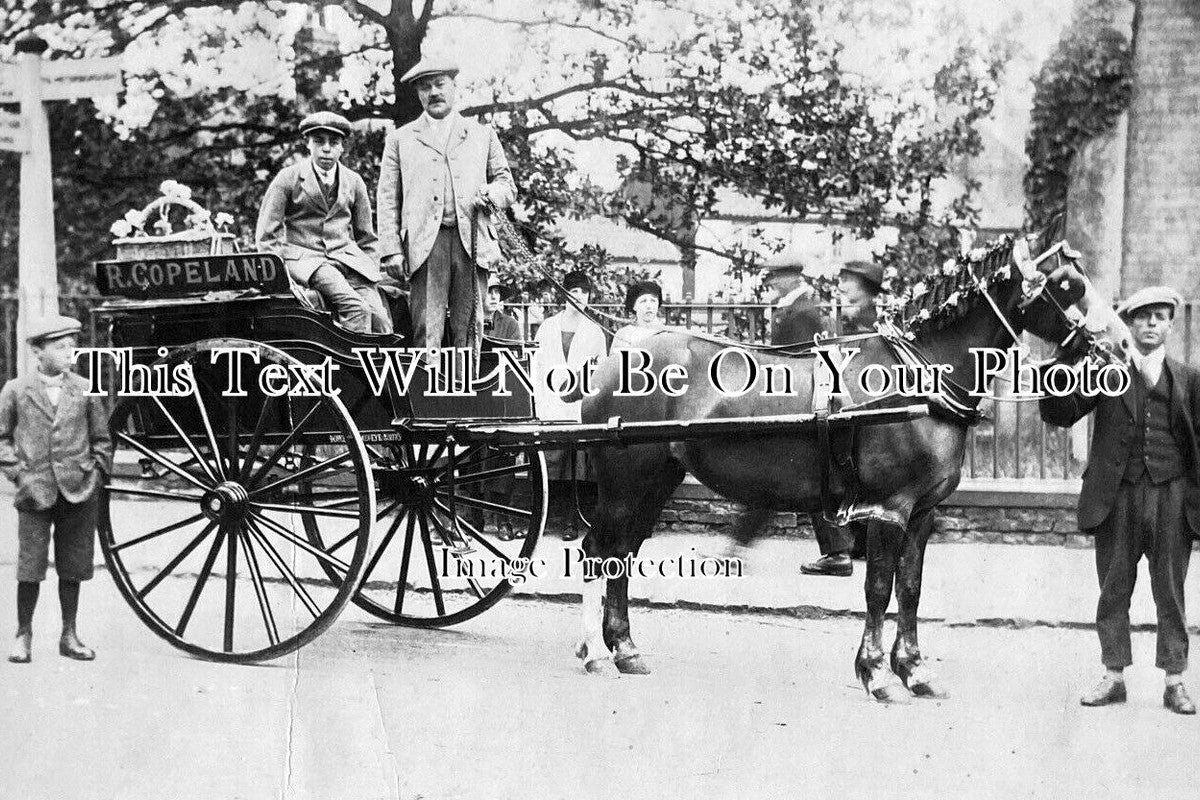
(577, 280)
(638, 289)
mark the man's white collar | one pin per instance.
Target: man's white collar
(792, 296)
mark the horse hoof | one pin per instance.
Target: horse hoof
(928, 690)
(632, 665)
(600, 666)
(892, 694)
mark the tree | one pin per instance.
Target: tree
(1079, 93)
(688, 99)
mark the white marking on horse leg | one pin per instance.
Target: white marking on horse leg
(592, 647)
(920, 674)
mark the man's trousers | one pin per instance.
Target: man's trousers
(355, 301)
(1145, 520)
(448, 279)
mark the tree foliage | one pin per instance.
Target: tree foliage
(687, 99)
(1079, 93)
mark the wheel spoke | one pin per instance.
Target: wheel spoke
(116, 548)
(176, 561)
(402, 583)
(436, 585)
(208, 431)
(201, 581)
(473, 531)
(260, 590)
(231, 540)
(383, 545)
(474, 584)
(275, 527)
(255, 440)
(350, 537)
(155, 493)
(487, 505)
(163, 460)
(320, 511)
(477, 477)
(284, 572)
(282, 447)
(304, 473)
(231, 442)
(187, 441)
(395, 504)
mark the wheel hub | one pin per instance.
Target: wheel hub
(407, 486)
(227, 501)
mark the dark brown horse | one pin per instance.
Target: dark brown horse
(904, 470)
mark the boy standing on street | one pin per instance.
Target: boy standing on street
(55, 445)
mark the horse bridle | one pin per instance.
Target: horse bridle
(1034, 285)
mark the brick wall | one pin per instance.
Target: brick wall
(1161, 238)
(980, 515)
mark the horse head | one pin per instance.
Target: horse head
(1062, 305)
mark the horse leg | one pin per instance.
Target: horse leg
(906, 653)
(883, 549)
(592, 649)
(616, 608)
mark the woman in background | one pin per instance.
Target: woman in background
(567, 339)
(642, 302)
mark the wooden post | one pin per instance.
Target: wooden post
(37, 264)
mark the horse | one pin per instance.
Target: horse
(903, 470)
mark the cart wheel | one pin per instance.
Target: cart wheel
(206, 541)
(446, 556)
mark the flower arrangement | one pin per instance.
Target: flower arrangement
(150, 233)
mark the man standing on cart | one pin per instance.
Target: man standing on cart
(441, 181)
(317, 215)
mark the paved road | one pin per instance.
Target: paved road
(740, 706)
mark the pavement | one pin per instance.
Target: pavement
(739, 706)
(753, 695)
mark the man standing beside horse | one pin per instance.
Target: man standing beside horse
(1141, 495)
(441, 180)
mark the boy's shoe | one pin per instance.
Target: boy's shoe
(71, 647)
(21, 652)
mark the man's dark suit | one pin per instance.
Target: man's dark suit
(1140, 495)
(799, 321)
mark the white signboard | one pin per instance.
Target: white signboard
(67, 80)
(14, 133)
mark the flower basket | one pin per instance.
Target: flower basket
(200, 238)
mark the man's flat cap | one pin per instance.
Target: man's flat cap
(325, 121)
(870, 272)
(784, 262)
(427, 67)
(55, 326)
(494, 283)
(1151, 296)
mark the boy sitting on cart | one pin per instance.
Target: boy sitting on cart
(317, 215)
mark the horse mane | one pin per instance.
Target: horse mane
(953, 293)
